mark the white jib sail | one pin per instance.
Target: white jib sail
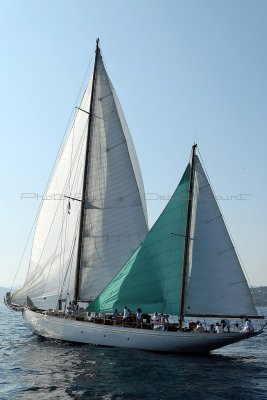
(215, 283)
(115, 218)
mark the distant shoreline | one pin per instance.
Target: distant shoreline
(259, 295)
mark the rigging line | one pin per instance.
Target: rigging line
(52, 261)
(78, 108)
(79, 96)
(68, 265)
(38, 213)
(63, 244)
(78, 167)
(79, 149)
(57, 156)
(66, 219)
(61, 252)
(64, 189)
(28, 239)
(73, 198)
(85, 78)
(66, 228)
(70, 172)
(228, 231)
(71, 155)
(94, 115)
(70, 189)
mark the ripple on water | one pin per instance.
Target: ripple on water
(34, 369)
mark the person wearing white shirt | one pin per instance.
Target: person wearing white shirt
(218, 328)
(199, 328)
(248, 327)
(126, 313)
(155, 318)
(138, 315)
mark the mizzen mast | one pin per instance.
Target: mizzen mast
(187, 234)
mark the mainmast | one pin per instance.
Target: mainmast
(187, 233)
(84, 186)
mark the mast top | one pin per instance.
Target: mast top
(193, 151)
(97, 44)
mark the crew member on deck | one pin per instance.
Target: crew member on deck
(225, 323)
(155, 318)
(218, 328)
(248, 327)
(138, 315)
(126, 313)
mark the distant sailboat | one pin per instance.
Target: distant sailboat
(185, 266)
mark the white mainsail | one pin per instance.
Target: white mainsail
(215, 282)
(115, 214)
(115, 210)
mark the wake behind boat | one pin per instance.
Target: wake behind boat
(92, 254)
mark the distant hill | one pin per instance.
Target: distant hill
(3, 291)
(259, 295)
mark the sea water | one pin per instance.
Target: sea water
(35, 369)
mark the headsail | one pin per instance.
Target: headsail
(215, 284)
(54, 247)
(115, 218)
(152, 276)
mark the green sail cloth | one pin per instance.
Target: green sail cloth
(151, 278)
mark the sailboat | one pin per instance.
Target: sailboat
(185, 267)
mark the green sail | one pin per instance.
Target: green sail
(151, 278)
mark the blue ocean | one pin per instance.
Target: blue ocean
(35, 369)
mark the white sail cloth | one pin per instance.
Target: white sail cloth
(115, 217)
(215, 282)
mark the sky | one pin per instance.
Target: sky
(184, 71)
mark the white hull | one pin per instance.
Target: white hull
(55, 328)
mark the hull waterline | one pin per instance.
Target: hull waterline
(71, 330)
